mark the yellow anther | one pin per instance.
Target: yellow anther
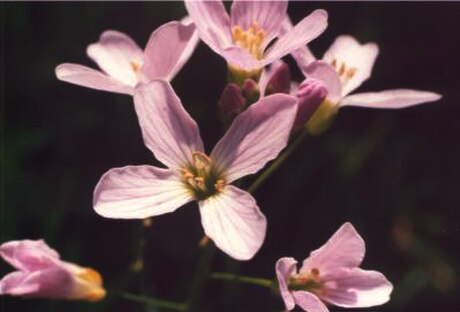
(135, 66)
(220, 184)
(351, 72)
(334, 63)
(342, 69)
(250, 40)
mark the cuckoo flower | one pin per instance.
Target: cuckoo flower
(343, 68)
(124, 64)
(42, 274)
(243, 37)
(229, 215)
(332, 275)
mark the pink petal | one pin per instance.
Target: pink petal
(168, 49)
(268, 15)
(234, 222)
(240, 58)
(115, 53)
(303, 56)
(88, 77)
(256, 136)
(28, 255)
(17, 284)
(346, 50)
(212, 22)
(285, 267)
(398, 98)
(345, 249)
(324, 72)
(305, 31)
(136, 192)
(309, 302)
(168, 130)
(358, 288)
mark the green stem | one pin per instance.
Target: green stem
(201, 275)
(278, 162)
(242, 279)
(171, 305)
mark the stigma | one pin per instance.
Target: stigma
(202, 177)
(250, 40)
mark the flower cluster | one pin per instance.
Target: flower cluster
(261, 108)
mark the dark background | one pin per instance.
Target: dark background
(394, 174)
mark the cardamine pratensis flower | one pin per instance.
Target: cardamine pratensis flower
(41, 273)
(243, 38)
(331, 275)
(343, 68)
(124, 64)
(229, 215)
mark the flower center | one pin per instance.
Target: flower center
(136, 67)
(250, 40)
(345, 72)
(202, 177)
(308, 281)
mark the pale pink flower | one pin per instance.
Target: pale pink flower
(331, 275)
(345, 66)
(124, 64)
(243, 37)
(229, 215)
(42, 274)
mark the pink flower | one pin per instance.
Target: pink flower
(332, 275)
(42, 274)
(243, 37)
(343, 68)
(124, 64)
(229, 215)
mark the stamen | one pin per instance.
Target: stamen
(135, 66)
(250, 40)
(334, 63)
(342, 69)
(351, 72)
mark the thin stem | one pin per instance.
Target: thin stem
(201, 275)
(242, 279)
(278, 162)
(172, 305)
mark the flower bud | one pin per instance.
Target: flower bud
(231, 103)
(280, 80)
(250, 91)
(311, 93)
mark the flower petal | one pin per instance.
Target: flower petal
(28, 255)
(18, 284)
(309, 302)
(267, 15)
(168, 49)
(137, 192)
(345, 249)
(212, 22)
(285, 267)
(305, 31)
(168, 130)
(234, 222)
(358, 288)
(88, 77)
(397, 98)
(256, 136)
(360, 58)
(303, 56)
(115, 53)
(320, 70)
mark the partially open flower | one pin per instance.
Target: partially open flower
(42, 274)
(343, 68)
(332, 275)
(244, 37)
(124, 64)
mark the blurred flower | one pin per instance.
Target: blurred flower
(331, 275)
(344, 67)
(124, 64)
(230, 216)
(42, 274)
(243, 38)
